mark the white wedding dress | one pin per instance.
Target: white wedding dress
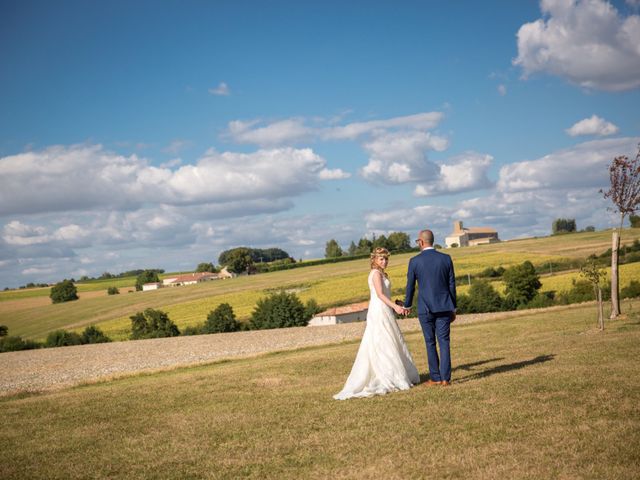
(383, 363)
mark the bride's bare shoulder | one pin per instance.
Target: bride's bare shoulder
(375, 273)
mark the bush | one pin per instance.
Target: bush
(542, 300)
(491, 272)
(14, 344)
(279, 310)
(4, 330)
(583, 291)
(93, 334)
(63, 338)
(463, 303)
(64, 291)
(220, 320)
(147, 276)
(311, 308)
(482, 298)
(152, 324)
(113, 291)
(192, 330)
(522, 284)
(632, 290)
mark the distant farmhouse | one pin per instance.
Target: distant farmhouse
(188, 279)
(468, 237)
(356, 312)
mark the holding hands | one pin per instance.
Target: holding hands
(401, 309)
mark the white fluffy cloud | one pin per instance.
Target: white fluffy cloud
(84, 177)
(333, 174)
(584, 165)
(586, 42)
(256, 132)
(593, 125)
(401, 157)
(296, 130)
(528, 197)
(461, 173)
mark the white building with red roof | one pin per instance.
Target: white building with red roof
(356, 312)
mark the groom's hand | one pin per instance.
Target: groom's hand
(453, 316)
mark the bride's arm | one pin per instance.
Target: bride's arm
(377, 284)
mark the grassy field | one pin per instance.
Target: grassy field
(329, 285)
(539, 396)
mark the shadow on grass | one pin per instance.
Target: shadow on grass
(509, 367)
(466, 367)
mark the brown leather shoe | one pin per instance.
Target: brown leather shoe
(444, 383)
(431, 383)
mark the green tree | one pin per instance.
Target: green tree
(635, 221)
(64, 291)
(311, 308)
(152, 324)
(399, 241)
(113, 291)
(352, 249)
(222, 319)
(483, 298)
(279, 310)
(595, 275)
(563, 225)
(93, 334)
(380, 242)
(332, 249)
(147, 276)
(63, 338)
(364, 246)
(206, 267)
(238, 260)
(14, 344)
(522, 283)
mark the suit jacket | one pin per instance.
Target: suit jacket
(436, 282)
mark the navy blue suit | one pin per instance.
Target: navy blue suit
(436, 303)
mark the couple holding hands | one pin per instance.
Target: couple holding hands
(383, 363)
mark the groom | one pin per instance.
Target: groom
(436, 304)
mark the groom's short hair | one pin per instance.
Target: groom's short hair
(426, 236)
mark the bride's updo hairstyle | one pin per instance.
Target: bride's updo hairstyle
(378, 252)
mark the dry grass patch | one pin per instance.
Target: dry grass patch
(533, 396)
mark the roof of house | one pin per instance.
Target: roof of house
(473, 230)
(353, 308)
(481, 230)
(190, 277)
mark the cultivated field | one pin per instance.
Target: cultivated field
(329, 285)
(539, 396)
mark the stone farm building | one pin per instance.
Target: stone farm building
(356, 312)
(468, 237)
(188, 279)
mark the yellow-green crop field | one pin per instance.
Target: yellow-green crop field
(329, 285)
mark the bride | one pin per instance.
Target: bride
(383, 363)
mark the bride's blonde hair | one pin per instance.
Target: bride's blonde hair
(378, 252)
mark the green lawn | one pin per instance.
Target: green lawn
(538, 396)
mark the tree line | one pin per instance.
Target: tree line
(396, 241)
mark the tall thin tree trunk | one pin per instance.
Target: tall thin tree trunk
(600, 310)
(615, 298)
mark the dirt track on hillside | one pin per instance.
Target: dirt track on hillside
(55, 368)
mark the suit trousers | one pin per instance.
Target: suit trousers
(437, 325)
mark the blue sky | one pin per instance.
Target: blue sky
(156, 134)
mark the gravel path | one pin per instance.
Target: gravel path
(54, 368)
